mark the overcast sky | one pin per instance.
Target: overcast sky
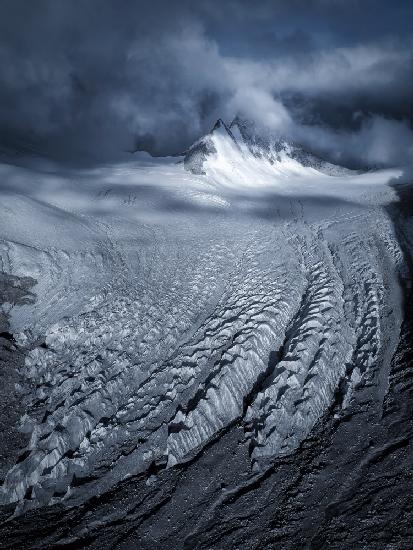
(85, 79)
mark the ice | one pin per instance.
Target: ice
(170, 304)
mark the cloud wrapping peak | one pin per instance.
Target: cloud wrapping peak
(92, 79)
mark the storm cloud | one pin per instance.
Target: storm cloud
(90, 79)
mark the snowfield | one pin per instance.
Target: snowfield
(170, 305)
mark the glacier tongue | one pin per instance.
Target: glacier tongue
(162, 319)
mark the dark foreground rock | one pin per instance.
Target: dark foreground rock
(13, 291)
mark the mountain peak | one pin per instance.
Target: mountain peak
(221, 127)
(206, 146)
(252, 142)
(219, 124)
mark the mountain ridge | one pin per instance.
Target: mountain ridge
(260, 144)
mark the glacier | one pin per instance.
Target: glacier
(246, 286)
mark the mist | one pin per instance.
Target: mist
(93, 80)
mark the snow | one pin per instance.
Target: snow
(162, 294)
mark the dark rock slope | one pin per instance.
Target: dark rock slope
(13, 291)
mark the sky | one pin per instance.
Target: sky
(85, 80)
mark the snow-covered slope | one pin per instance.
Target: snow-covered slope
(170, 305)
(241, 153)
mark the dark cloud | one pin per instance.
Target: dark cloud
(91, 78)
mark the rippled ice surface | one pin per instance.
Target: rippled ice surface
(168, 306)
